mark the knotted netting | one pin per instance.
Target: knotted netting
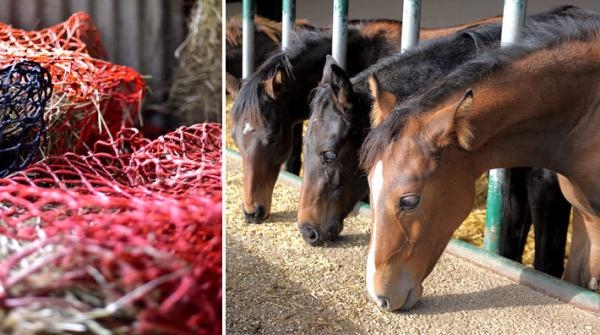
(130, 231)
(92, 99)
(25, 87)
(78, 33)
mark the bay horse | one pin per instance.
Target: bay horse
(339, 121)
(534, 103)
(272, 103)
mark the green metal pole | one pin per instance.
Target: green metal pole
(288, 19)
(411, 24)
(247, 38)
(499, 179)
(340, 31)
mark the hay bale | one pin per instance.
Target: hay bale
(195, 95)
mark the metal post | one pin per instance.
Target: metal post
(288, 19)
(411, 24)
(498, 179)
(340, 31)
(247, 38)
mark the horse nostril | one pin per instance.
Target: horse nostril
(382, 302)
(310, 234)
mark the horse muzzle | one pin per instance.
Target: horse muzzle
(400, 293)
(314, 236)
(257, 216)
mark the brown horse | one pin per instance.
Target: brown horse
(531, 104)
(273, 102)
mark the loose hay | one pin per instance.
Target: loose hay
(278, 284)
(197, 80)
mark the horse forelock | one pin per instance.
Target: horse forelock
(321, 94)
(379, 140)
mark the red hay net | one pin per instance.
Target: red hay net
(136, 222)
(92, 99)
(78, 33)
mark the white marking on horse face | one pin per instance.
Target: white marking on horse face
(376, 186)
(247, 129)
(593, 285)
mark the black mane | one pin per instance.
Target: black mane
(574, 25)
(248, 99)
(307, 52)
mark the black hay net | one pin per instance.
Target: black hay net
(25, 88)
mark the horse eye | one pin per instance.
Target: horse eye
(409, 202)
(328, 156)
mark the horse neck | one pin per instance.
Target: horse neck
(532, 115)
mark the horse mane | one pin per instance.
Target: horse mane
(248, 99)
(548, 31)
(477, 35)
(269, 27)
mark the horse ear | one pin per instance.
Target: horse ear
(384, 101)
(232, 85)
(462, 127)
(440, 126)
(274, 85)
(329, 61)
(341, 86)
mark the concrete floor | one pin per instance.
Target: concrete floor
(276, 284)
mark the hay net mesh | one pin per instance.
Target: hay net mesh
(25, 88)
(134, 228)
(110, 232)
(92, 99)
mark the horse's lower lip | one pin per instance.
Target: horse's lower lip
(404, 306)
(253, 218)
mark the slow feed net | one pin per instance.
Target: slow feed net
(92, 99)
(25, 88)
(110, 232)
(130, 231)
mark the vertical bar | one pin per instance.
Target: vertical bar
(147, 28)
(340, 31)
(25, 14)
(247, 38)
(411, 24)
(51, 12)
(498, 179)
(105, 14)
(128, 24)
(288, 21)
(288, 18)
(79, 6)
(6, 11)
(513, 20)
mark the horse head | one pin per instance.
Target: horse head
(417, 197)
(262, 131)
(333, 182)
